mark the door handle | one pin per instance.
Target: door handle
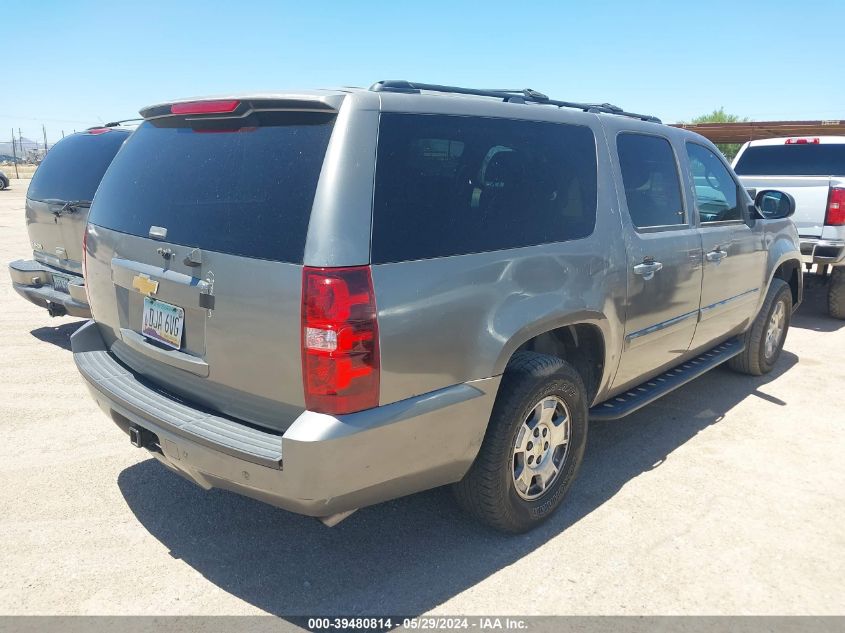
(647, 269)
(716, 256)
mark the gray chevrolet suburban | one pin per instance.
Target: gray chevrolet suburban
(57, 203)
(328, 299)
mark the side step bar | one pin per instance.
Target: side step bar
(637, 397)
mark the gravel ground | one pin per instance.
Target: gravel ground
(726, 497)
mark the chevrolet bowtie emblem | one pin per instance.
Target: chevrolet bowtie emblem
(144, 285)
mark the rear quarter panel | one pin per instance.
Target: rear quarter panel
(456, 319)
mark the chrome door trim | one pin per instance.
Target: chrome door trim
(719, 304)
(660, 326)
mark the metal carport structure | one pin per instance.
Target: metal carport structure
(754, 130)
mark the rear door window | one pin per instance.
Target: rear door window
(240, 190)
(74, 166)
(652, 184)
(804, 159)
(452, 185)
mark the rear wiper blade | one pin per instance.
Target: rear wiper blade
(76, 204)
(71, 206)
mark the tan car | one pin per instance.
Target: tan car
(57, 204)
(327, 299)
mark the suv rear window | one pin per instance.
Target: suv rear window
(73, 168)
(792, 160)
(451, 185)
(244, 191)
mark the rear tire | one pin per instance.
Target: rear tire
(764, 339)
(3, 184)
(524, 468)
(836, 293)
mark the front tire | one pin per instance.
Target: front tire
(533, 447)
(764, 339)
(836, 293)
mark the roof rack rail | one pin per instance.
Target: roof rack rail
(526, 95)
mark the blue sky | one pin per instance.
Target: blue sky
(82, 62)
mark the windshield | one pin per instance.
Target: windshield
(74, 166)
(792, 160)
(244, 191)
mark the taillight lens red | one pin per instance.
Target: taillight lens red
(220, 106)
(802, 141)
(835, 215)
(85, 263)
(97, 130)
(85, 251)
(340, 353)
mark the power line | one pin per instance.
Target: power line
(41, 119)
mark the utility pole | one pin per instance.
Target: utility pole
(44, 131)
(14, 154)
(20, 144)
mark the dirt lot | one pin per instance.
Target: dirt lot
(24, 171)
(727, 497)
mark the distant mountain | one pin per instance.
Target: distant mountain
(6, 147)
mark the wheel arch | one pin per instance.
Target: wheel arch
(583, 339)
(783, 259)
(789, 269)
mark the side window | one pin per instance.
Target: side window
(650, 176)
(453, 185)
(715, 190)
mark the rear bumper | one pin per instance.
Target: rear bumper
(322, 464)
(34, 282)
(816, 250)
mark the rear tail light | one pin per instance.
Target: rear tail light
(85, 264)
(835, 215)
(85, 252)
(340, 353)
(220, 106)
(802, 141)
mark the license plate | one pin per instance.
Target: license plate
(163, 322)
(60, 283)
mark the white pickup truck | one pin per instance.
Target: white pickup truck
(812, 169)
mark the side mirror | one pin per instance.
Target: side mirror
(774, 205)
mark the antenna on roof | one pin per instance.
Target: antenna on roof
(116, 123)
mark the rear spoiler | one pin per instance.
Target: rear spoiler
(235, 108)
